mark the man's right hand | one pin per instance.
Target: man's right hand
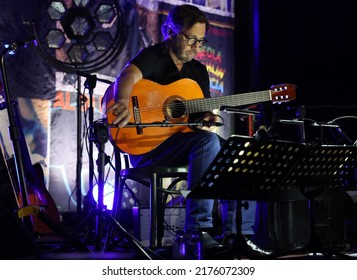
(120, 92)
(121, 112)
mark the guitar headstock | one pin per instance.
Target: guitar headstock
(283, 93)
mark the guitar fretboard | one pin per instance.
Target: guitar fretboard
(209, 104)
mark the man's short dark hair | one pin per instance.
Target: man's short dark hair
(183, 17)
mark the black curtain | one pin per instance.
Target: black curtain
(311, 43)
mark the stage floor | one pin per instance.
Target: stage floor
(56, 248)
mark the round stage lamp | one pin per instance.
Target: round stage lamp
(108, 195)
(79, 35)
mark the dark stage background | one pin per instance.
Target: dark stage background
(309, 43)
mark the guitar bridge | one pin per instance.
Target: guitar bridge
(136, 114)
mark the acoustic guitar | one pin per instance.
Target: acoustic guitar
(159, 111)
(37, 194)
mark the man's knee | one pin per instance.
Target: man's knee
(209, 138)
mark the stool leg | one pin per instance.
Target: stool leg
(160, 214)
(118, 198)
(153, 209)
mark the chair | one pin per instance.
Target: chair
(153, 178)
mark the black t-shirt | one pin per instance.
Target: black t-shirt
(156, 65)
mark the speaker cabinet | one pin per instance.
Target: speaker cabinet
(290, 227)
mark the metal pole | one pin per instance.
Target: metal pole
(79, 150)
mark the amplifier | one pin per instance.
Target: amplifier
(174, 220)
(291, 228)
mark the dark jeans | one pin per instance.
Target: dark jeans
(197, 150)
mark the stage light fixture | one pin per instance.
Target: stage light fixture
(105, 14)
(80, 35)
(78, 23)
(102, 41)
(56, 10)
(78, 54)
(108, 195)
(81, 2)
(55, 39)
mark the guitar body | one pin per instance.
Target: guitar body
(38, 195)
(159, 111)
(153, 103)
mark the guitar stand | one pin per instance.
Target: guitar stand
(47, 220)
(27, 209)
(270, 170)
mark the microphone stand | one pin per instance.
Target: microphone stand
(100, 138)
(230, 109)
(79, 151)
(301, 115)
(90, 83)
(166, 124)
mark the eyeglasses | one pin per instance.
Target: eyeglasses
(193, 41)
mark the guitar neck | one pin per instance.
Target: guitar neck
(26, 158)
(209, 104)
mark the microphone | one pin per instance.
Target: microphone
(230, 109)
(102, 121)
(208, 123)
(293, 121)
(325, 125)
(261, 134)
(92, 77)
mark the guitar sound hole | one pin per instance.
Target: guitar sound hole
(176, 109)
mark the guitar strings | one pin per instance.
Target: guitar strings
(186, 107)
(183, 108)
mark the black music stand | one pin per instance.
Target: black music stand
(268, 170)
